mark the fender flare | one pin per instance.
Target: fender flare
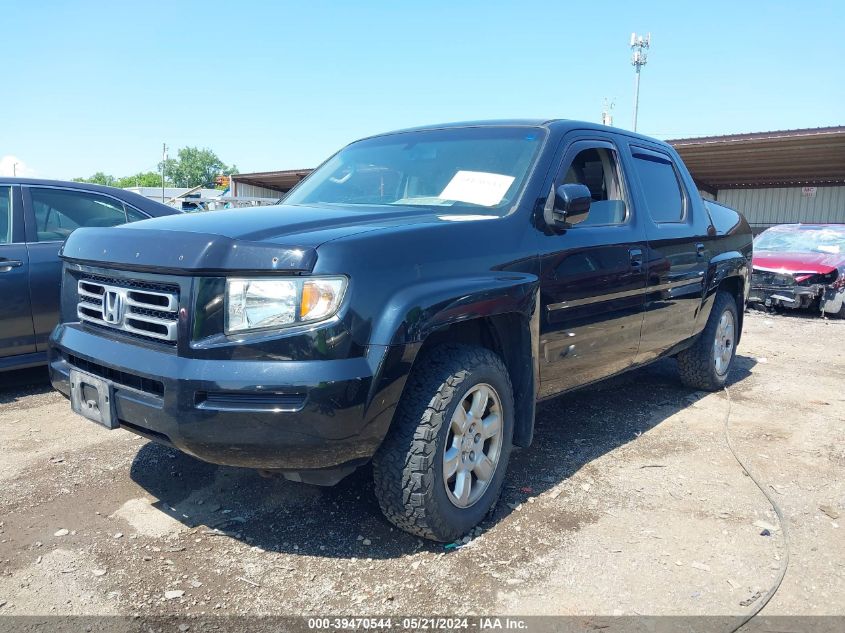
(729, 264)
(419, 310)
(725, 266)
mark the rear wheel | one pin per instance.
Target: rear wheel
(441, 468)
(706, 364)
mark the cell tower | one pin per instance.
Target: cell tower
(639, 57)
(607, 112)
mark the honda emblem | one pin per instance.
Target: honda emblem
(113, 305)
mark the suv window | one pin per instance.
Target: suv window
(5, 215)
(59, 212)
(597, 169)
(133, 215)
(660, 186)
(482, 169)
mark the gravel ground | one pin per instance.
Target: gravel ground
(629, 502)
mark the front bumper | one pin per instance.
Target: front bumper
(787, 297)
(830, 298)
(298, 416)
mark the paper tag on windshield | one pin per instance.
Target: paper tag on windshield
(477, 187)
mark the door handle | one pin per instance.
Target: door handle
(7, 264)
(699, 249)
(636, 257)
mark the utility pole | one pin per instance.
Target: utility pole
(14, 170)
(639, 57)
(163, 161)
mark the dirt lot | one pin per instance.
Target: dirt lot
(629, 502)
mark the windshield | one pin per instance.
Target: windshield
(482, 168)
(805, 240)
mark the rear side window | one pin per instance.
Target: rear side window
(5, 215)
(59, 212)
(133, 215)
(660, 186)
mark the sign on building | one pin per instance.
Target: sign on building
(809, 192)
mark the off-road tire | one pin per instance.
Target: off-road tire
(697, 364)
(408, 467)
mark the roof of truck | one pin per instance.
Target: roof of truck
(556, 124)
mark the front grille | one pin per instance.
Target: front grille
(154, 387)
(144, 309)
(770, 278)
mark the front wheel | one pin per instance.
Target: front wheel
(441, 468)
(706, 364)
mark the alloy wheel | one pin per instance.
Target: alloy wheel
(473, 445)
(723, 345)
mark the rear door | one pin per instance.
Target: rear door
(677, 252)
(16, 330)
(592, 275)
(52, 214)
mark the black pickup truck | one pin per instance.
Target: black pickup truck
(407, 304)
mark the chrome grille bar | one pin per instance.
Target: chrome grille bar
(139, 311)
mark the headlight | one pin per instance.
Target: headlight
(257, 304)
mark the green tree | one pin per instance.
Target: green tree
(193, 167)
(196, 167)
(98, 179)
(142, 179)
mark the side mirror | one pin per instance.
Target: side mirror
(571, 206)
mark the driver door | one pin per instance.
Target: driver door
(593, 276)
(16, 332)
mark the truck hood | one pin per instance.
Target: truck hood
(819, 263)
(277, 238)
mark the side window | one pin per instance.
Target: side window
(133, 215)
(660, 186)
(59, 212)
(598, 169)
(5, 215)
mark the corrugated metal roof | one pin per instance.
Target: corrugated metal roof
(750, 136)
(281, 181)
(811, 156)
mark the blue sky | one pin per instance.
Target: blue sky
(98, 86)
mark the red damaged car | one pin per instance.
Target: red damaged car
(800, 266)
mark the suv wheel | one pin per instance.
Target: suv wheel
(707, 363)
(440, 470)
